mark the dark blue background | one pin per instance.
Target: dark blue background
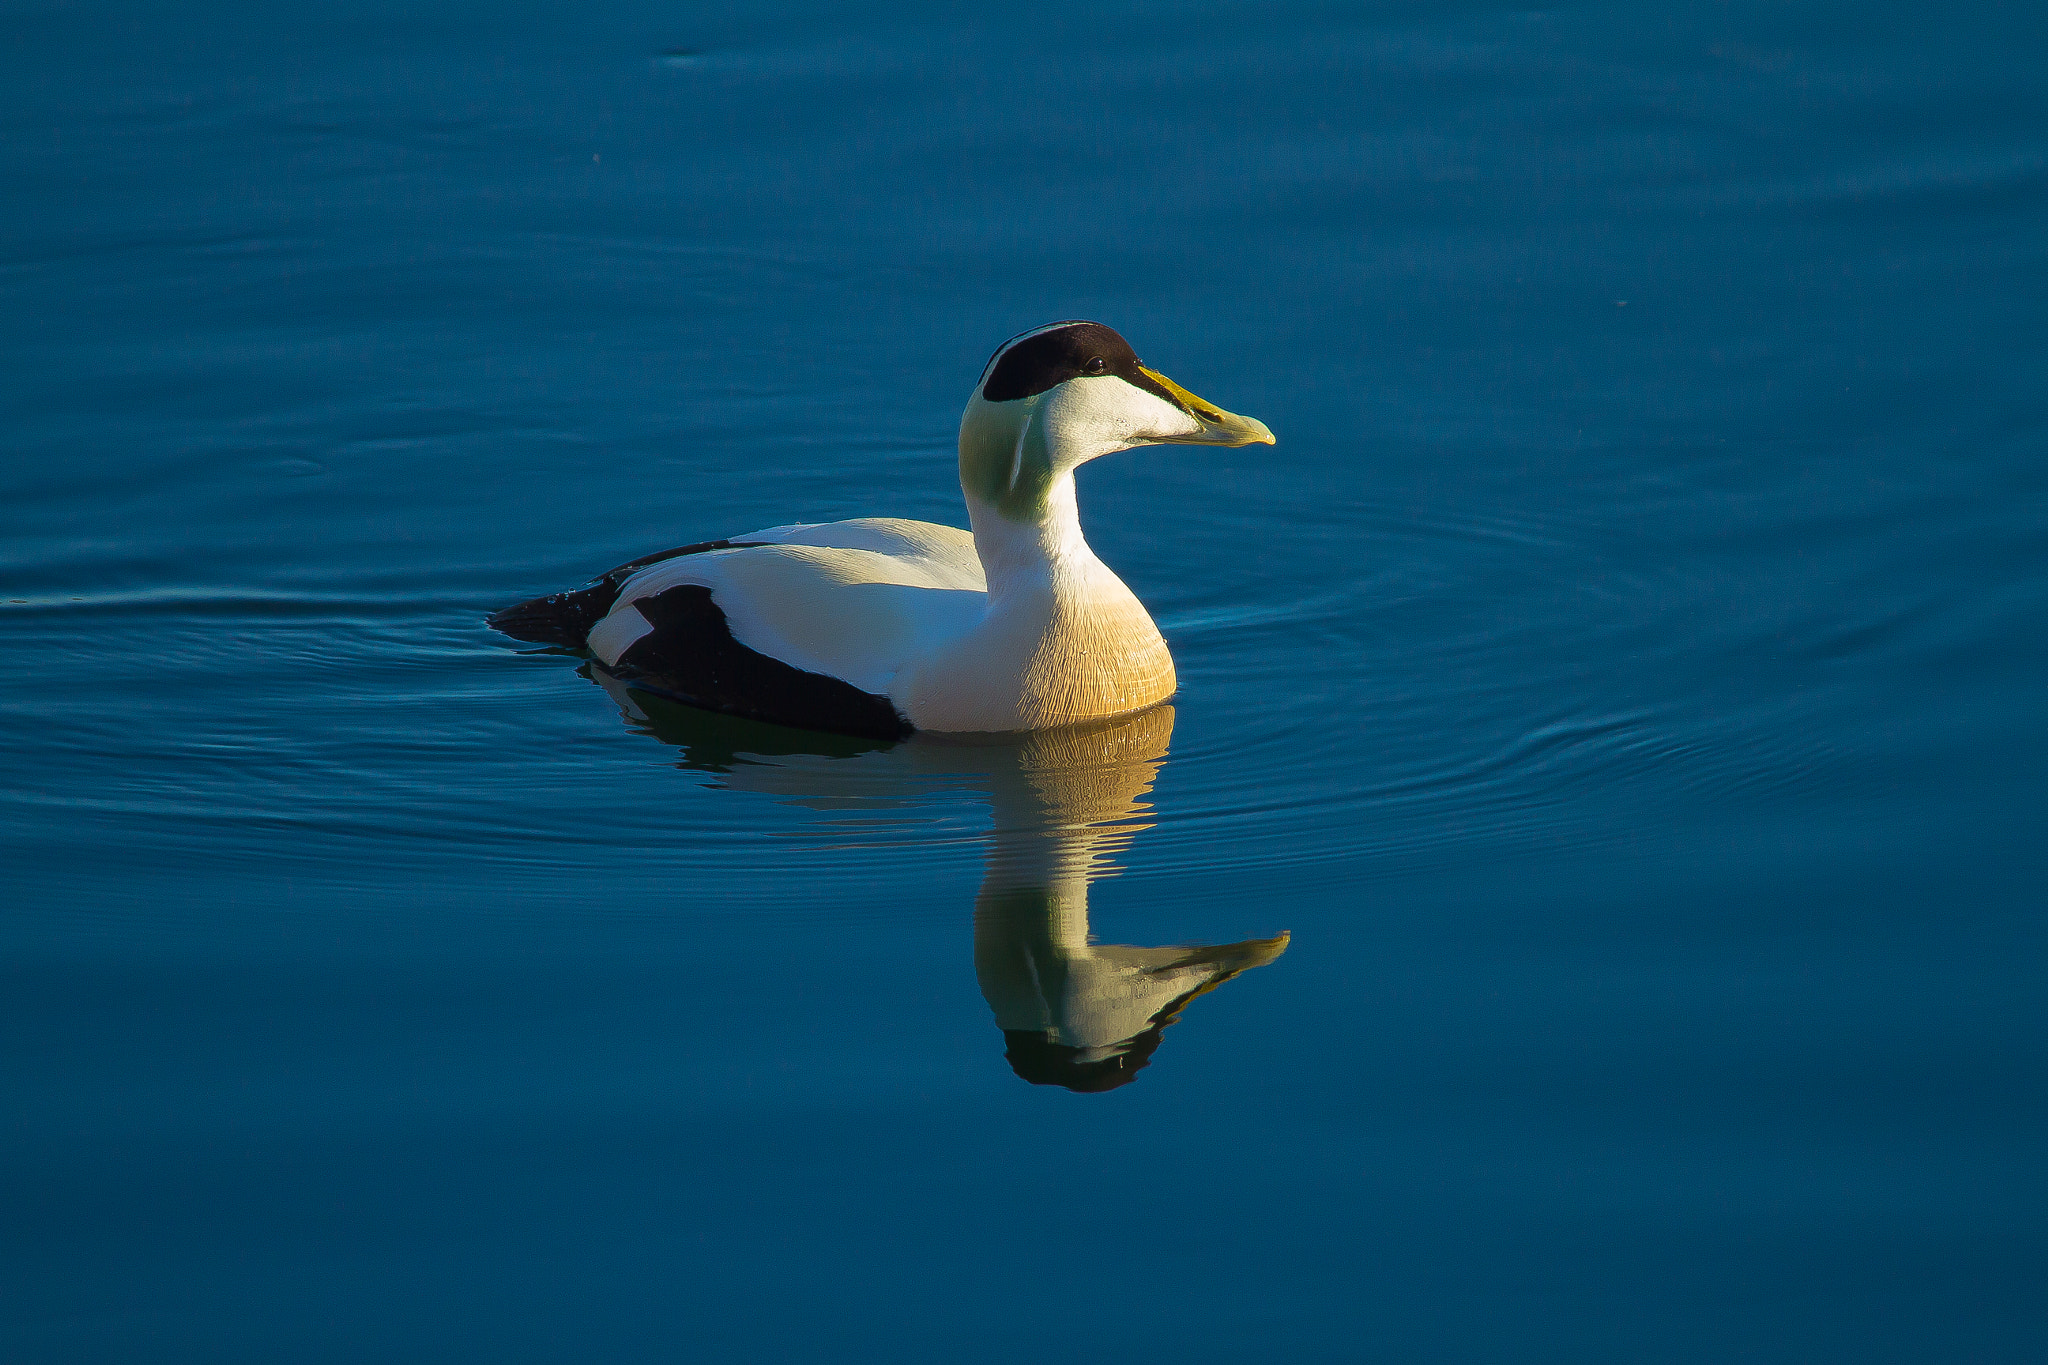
(1624, 678)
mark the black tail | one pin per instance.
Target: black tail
(565, 618)
(562, 618)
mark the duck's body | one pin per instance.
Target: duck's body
(880, 626)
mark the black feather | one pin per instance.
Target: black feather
(691, 656)
(565, 618)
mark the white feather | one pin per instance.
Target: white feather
(616, 633)
(854, 600)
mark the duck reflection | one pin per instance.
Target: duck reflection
(1077, 1013)
(1074, 1013)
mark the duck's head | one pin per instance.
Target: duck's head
(1060, 395)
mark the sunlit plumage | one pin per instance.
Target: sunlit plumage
(883, 626)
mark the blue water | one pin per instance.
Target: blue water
(1623, 682)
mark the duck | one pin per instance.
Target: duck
(883, 627)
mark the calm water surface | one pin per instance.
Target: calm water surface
(1583, 905)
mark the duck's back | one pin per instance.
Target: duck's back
(944, 545)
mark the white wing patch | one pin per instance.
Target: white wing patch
(618, 631)
(855, 600)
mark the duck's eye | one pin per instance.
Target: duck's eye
(1096, 365)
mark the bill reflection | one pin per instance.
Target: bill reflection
(1074, 1012)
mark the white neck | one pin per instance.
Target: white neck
(1062, 641)
(1017, 556)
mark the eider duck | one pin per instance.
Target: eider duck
(879, 626)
